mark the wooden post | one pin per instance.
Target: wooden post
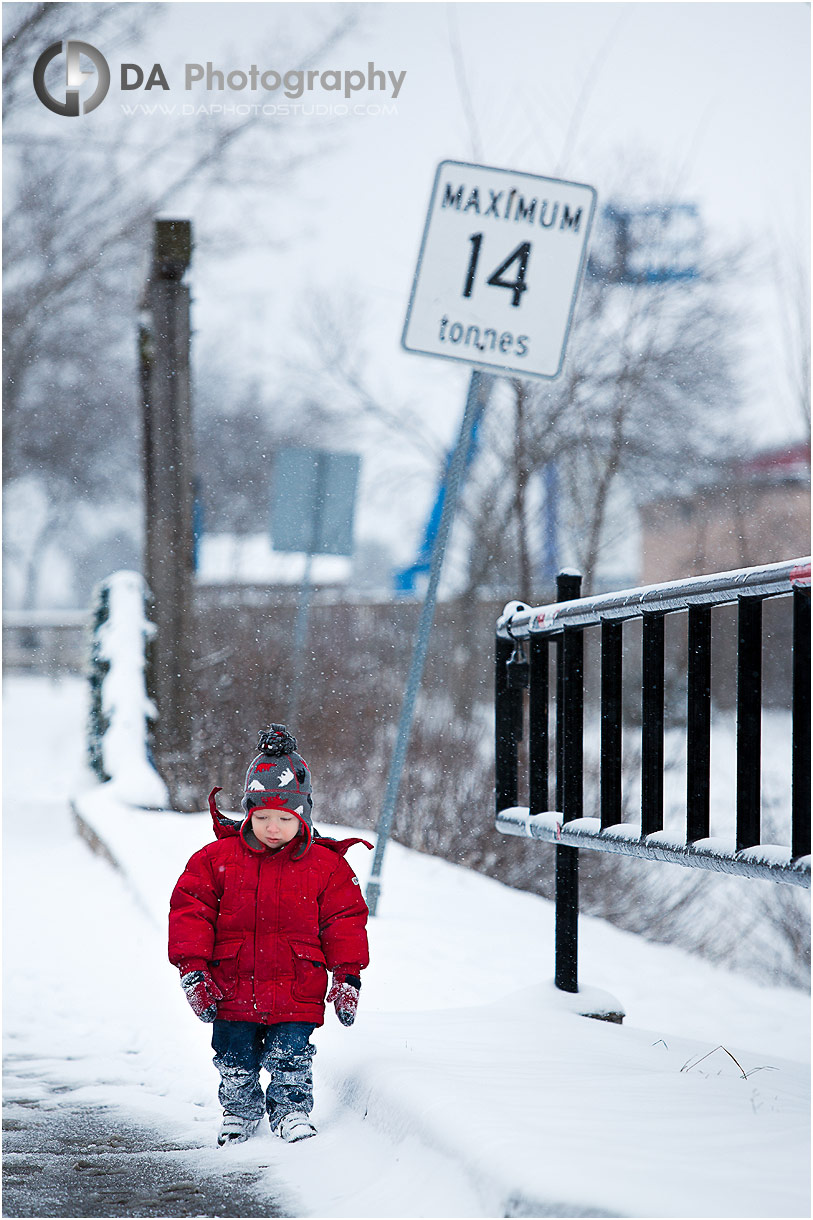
(168, 498)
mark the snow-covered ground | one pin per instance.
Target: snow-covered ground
(466, 1086)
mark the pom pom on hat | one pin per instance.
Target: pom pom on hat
(276, 741)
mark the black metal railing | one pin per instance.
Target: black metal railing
(563, 624)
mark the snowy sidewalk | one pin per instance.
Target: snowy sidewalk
(91, 1044)
(465, 1087)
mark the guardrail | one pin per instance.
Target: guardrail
(51, 641)
(563, 624)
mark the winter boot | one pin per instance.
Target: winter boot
(296, 1126)
(236, 1130)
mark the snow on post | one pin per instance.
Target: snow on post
(121, 712)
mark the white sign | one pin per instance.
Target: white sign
(499, 268)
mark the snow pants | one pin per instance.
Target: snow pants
(243, 1047)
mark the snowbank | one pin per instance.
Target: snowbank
(125, 711)
(476, 1089)
(250, 559)
(465, 1088)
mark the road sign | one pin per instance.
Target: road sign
(313, 501)
(500, 265)
(652, 244)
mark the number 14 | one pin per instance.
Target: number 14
(519, 256)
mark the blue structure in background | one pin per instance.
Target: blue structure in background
(404, 579)
(651, 244)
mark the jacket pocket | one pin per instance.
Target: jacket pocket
(224, 967)
(310, 973)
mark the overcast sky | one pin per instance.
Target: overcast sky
(703, 103)
(706, 102)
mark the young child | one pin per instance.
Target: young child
(256, 921)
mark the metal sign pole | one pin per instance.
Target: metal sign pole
(479, 386)
(467, 304)
(300, 636)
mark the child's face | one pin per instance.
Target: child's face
(274, 827)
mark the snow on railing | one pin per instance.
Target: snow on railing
(121, 711)
(562, 626)
(518, 621)
(717, 855)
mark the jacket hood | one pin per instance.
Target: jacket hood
(225, 827)
(340, 846)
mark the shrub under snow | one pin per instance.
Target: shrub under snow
(121, 711)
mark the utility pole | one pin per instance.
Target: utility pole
(164, 343)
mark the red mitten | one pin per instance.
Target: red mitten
(202, 994)
(344, 995)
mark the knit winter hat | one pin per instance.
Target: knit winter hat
(279, 778)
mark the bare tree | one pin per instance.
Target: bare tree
(29, 28)
(792, 283)
(646, 399)
(337, 372)
(77, 222)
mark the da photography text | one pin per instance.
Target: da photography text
(293, 83)
(79, 77)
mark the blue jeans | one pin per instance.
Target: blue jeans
(243, 1047)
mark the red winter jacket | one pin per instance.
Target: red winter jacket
(268, 925)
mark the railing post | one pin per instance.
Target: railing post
(698, 724)
(538, 726)
(800, 793)
(505, 730)
(749, 721)
(611, 678)
(569, 787)
(652, 724)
